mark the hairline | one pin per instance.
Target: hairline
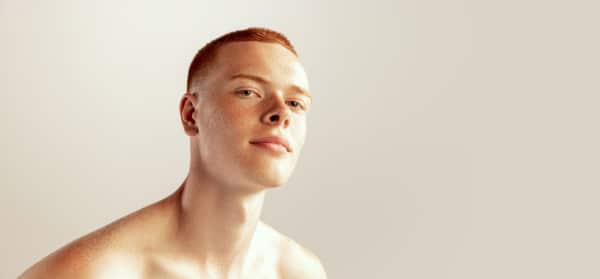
(201, 74)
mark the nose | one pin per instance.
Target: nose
(278, 114)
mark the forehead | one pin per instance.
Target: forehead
(269, 60)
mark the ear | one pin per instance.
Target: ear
(187, 109)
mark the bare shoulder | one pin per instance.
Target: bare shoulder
(109, 252)
(86, 258)
(296, 261)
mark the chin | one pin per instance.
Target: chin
(269, 174)
(272, 180)
(270, 177)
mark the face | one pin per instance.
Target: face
(255, 93)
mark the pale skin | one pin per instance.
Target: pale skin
(210, 226)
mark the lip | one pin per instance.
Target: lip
(273, 143)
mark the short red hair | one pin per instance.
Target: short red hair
(207, 54)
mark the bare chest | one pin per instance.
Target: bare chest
(178, 270)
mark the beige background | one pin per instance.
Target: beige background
(448, 139)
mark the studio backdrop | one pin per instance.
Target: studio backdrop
(447, 139)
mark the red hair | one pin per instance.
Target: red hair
(207, 54)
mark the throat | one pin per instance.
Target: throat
(217, 228)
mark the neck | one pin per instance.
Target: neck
(217, 224)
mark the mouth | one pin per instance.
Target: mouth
(273, 143)
(272, 147)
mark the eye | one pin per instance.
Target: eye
(297, 104)
(246, 92)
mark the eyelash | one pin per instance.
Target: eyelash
(300, 105)
(241, 91)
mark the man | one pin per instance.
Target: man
(245, 113)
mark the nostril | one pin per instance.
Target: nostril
(274, 117)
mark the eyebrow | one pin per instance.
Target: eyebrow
(263, 80)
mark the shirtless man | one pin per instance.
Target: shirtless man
(245, 114)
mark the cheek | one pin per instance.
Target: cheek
(229, 122)
(217, 114)
(299, 131)
(210, 118)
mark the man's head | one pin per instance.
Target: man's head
(243, 89)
